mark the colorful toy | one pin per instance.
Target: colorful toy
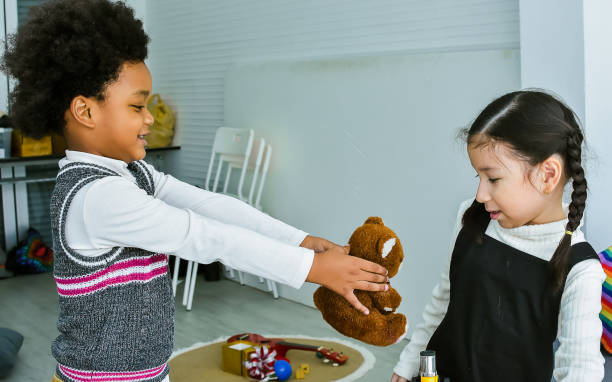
(262, 363)
(375, 242)
(281, 347)
(234, 354)
(282, 367)
(31, 255)
(302, 371)
(605, 257)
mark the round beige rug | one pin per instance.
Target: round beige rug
(201, 362)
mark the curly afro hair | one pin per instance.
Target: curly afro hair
(65, 49)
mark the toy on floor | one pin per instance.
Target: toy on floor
(282, 347)
(234, 356)
(264, 359)
(302, 371)
(283, 370)
(261, 363)
(375, 242)
(31, 255)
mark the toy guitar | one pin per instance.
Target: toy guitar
(281, 347)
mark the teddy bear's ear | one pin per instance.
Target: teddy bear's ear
(385, 246)
(374, 220)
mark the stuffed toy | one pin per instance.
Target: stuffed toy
(375, 242)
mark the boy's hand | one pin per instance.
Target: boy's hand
(343, 274)
(317, 244)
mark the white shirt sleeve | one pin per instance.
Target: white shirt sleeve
(116, 212)
(578, 357)
(223, 208)
(435, 310)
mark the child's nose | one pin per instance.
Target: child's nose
(149, 117)
(482, 195)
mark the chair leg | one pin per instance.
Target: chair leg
(192, 286)
(177, 262)
(187, 282)
(240, 277)
(274, 290)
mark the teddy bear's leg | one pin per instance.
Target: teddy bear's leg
(396, 328)
(341, 315)
(386, 302)
(382, 329)
(373, 328)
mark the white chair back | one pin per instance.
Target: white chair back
(231, 145)
(264, 172)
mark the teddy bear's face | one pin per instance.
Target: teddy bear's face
(375, 242)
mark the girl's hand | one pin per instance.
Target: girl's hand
(343, 274)
(397, 378)
(317, 244)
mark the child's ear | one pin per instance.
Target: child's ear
(81, 110)
(551, 171)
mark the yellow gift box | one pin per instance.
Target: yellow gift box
(234, 354)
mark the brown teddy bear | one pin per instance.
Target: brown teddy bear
(375, 242)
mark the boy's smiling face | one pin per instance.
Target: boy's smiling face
(121, 120)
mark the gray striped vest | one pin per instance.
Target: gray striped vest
(116, 319)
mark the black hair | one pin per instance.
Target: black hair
(68, 48)
(535, 125)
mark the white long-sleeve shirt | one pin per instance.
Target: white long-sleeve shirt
(183, 220)
(578, 357)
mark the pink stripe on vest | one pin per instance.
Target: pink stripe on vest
(101, 376)
(119, 280)
(135, 261)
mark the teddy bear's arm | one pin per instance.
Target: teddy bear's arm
(386, 302)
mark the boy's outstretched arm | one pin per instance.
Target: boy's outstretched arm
(223, 208)
(317, 244)
(336, 270)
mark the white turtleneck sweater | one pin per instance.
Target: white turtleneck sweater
(182, 220)
(578, 358)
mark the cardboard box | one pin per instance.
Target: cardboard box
(234, 354)
(28, 147)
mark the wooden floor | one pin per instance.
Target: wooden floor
(28, 304)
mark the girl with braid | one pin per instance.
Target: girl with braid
(80, 71)
(520, 274)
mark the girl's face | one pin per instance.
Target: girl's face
(122, 119)
(510, 188)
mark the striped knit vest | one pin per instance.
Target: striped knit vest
(116, 319)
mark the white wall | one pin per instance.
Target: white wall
(373, 135)
(552, 49)
(194, 42)
(598, 120)
(565, 47)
